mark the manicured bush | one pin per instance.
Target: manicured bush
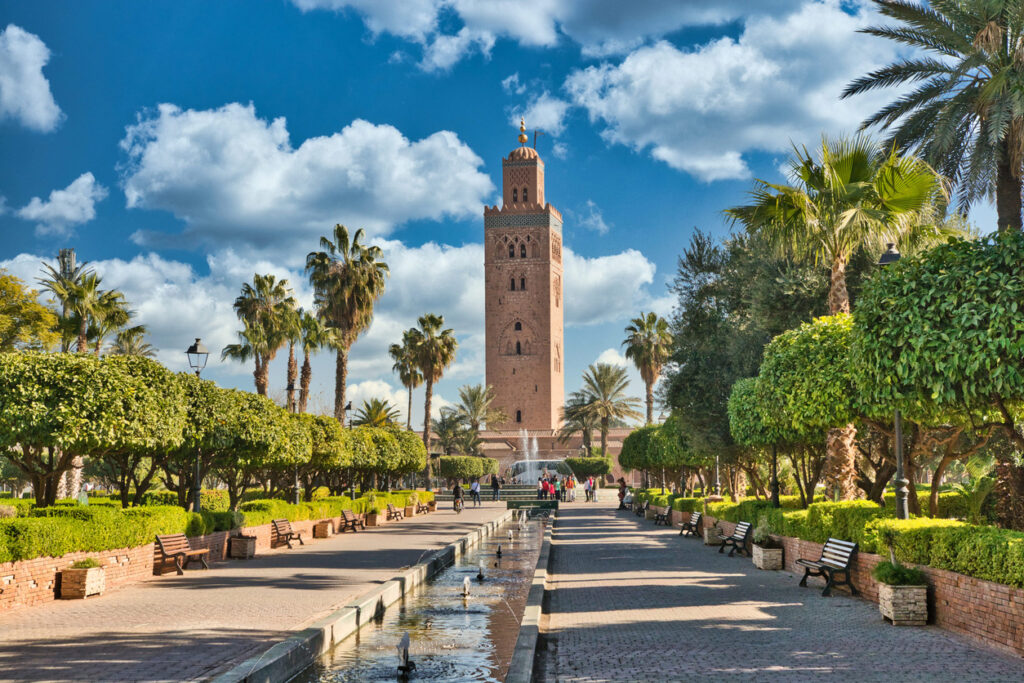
(589, 467)
(684, 504)
(898, 574)
(844, 520)
(465, 467)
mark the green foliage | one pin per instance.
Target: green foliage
(898, 574)
(654, 447)
(746, 424)
(844, 520)
(589, 467)
(465, 467)
(25, 324)
(87, 563)
(684, 504)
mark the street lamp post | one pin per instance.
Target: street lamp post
(775, 477)
(351, 479)
(891, 256)
(197, 357)
(718, 481)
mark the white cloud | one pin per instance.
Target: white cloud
(24, 91)
(74, 205)
(600, 27)
(612, 357)
(512, 85)
(701, 110)
(544, 112)
(606, 288)
(594, 219)
(560, 150)
(235, 179)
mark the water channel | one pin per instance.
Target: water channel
(452, 638)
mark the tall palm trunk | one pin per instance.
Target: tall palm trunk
(83, 333)
(650, 402)
(262, 375)
(426, 424)
(841, 442)
(604, 435)
(293, 371)
(305, 378)
(408, 414)
(1008, 186)
(340, 379)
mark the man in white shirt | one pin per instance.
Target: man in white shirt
(474, 493)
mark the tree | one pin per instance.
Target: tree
(576, 418)
(62, 285)
(348, 278)
(941, 333)
(964, 115)
(110, 314)
(266, 309)
(435, 351)
(376, 413)
(260, 438)
(853, 194)
(404, 355)
(455, 468)
(648, 345)
(132, 342)
(331, 457)
(314, 336)
(589, 467)
(476, 407)
(604, 386)
(291, 322)
(25, 324)
(447, 430)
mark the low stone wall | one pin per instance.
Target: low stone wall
(37, 581)
(991, 613)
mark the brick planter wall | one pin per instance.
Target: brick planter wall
(37, 581)
(991, 613)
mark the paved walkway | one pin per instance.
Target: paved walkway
(635, 602)
(192, 626)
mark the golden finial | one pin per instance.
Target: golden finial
(522, 131)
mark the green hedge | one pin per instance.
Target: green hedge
(984, 552)
(215, 500)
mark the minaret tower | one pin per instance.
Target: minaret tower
(523, 296)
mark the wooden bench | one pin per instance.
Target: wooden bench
(663, 517)
(394, 513)
(422, 508)
(835, 559)
(641, 510)
(738, 540)
(350, 521)
(177, 547)
(284, 531)
(691, 526)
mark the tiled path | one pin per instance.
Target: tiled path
(183, 627)
(635, 602)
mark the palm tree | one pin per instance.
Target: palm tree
(965, 115)
(266, 309)
(348, 278)
(376, 413)
(853, 194)
(648, 346)
(604, 387)
(132, 342)
(404, 355)
(447, 430)
(110, 315)
(291, 328)
(61, 287)
(435, 351)
(577, 419)
(84, 300)
(475, 407)
(313, 338)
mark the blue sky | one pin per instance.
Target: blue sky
(182, 146)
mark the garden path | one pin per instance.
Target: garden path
(630, 601)
(190, 627)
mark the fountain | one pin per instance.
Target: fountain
(405, 665)
(465, 587)
(498, 554)
(480, 573)
(510, 535)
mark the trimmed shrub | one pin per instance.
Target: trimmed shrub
(844, 520)
(683, 504)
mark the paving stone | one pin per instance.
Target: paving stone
(190, 627)
(633, 602)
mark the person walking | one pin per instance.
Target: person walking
(572, 489)
(622, 493)
(586, 490)
(457, 497)
(540, 488)
(495, 487)
(558, 488)
(474, 493)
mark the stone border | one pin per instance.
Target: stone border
(290, 656)
(520, 669)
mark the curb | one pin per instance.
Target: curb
(520, 669)
(290, 656)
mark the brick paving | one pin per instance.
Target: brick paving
(193, 626)
(629, 601)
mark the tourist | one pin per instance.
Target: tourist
(557, 484)
(495, 487)
(586, 489)
(572, 489)
(622, 493)
(457, 496)
(540, 488)
(474, 493)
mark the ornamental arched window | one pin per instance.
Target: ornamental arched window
(511, 251)
(515, 195)
(519, 349)
(522, 283)
(522, 251)
(519, 326)
(525, 195)
(519, 416)
(512, 285)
